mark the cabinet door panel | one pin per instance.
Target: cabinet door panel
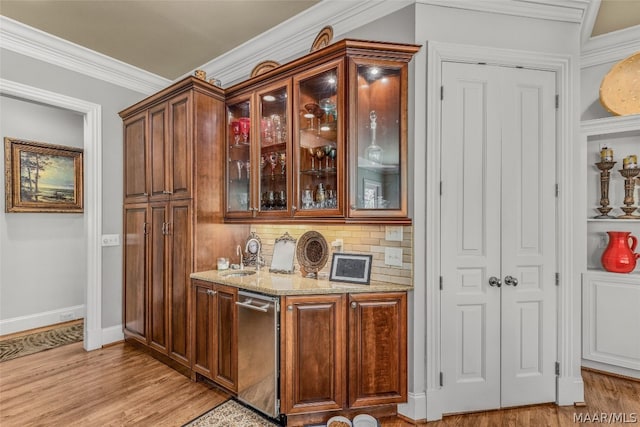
(180, 133)
(159, 154)
(158, 278)
(377, 349)
(202, 330)
(135, 158)
(226, 360)
(315, 353)
(181, 265)
(135, 270)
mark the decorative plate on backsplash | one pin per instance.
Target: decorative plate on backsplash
(312, 252)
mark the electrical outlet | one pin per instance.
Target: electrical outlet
(110, 240)
(393, 233)
(337, 245)
(393, 256)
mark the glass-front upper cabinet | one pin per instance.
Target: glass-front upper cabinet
(378, 147)
(319, 142)
(274, 163)
(238, 174)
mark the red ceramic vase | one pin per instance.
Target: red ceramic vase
(619, 256)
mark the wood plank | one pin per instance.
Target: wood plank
(117, 385)
(120, 385)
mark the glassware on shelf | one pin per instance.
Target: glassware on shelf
(327, 150)
(307, 199)
(373, 152)
(245, 126)
(267, 130)
(310, 115)
(319, 156)
(235, 129)
(332, 155)
(239, 166)
(273, 162)
(282, 159)
(312, 151)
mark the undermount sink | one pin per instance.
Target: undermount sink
(238, 273)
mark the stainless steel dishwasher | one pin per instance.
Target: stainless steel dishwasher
(258, 352)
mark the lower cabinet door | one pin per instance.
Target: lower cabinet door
(225, 360)
(313, 360)
(377, 349)
(202, 326)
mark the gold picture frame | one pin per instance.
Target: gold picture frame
(42, 177)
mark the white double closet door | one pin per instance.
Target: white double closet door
(498, 234)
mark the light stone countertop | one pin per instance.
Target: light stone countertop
(291, 284)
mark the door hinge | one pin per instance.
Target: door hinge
(277, 306)
(277, 406)
(557, 368)
(441, 93)
(440, 282)
(441, 188)
(441, 379)
(557, 190)
(557, 101)
(557, 279)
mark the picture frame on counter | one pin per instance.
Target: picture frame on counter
(351, 268)
(41, 177)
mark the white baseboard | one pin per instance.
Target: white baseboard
(415, 408)
(38, 320)
(112, 334)
(605, 367)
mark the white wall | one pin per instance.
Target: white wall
(43, 265)
(112, 98)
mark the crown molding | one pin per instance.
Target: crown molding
(295, 36)
(551, 10)
(610, 47)
(589, 21)
(29, 41)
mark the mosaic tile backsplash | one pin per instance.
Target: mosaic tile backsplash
(361, 239)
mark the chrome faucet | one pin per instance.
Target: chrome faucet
(239, 252)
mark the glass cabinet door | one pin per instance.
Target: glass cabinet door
(319, 143)
(274, 152)
(378, 139)
(238, 173)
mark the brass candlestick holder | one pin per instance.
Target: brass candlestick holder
(605, 177)
(629, 175)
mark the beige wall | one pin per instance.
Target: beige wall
(361, 239)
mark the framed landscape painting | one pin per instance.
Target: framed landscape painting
(42, 177)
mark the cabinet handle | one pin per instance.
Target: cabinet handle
(144, 228)
(354, 304)
(494, 282)
(511, 281)
(164, 228)
(294, 208)
(145, 194)
(167, 192)
(290, 307)
(211, 292)
(168, 228)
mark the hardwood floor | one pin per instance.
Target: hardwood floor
(121, 386)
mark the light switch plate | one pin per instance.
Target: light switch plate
(393, 233)
(110, 240)
(393, 256)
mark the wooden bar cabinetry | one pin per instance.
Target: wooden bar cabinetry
(173, 211)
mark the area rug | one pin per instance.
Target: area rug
(231, 414)
(12, 348)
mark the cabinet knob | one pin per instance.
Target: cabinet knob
(294, 208)
(290, 308)
(211, 292)
(354, 304)
(511, 281)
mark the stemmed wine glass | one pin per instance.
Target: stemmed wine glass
(235, 128)
(332, 156)
(311, 113)
(312, 151)
(327, 150)
(239, 165)
(247, 166)
(320, 156)
(245, 125)
(273, 161)
(282, 158)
